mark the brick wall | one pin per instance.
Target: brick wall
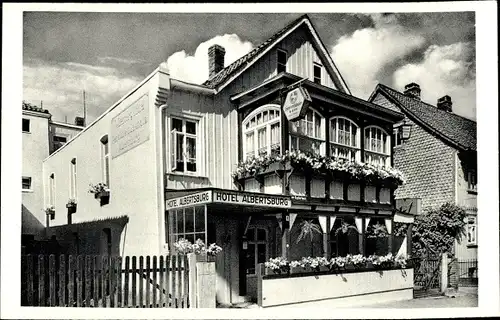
(427, 163)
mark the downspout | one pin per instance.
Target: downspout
(162, 180)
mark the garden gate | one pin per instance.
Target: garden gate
(427, 275)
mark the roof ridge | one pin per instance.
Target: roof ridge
(237, 63)
(426, 103)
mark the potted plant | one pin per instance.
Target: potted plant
(51, 211)
(71, 205)
(307, 230)
(100, 191)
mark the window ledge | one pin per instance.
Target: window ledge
(472, 192)
(472, 246)
(27, 132)
(27, 190)
(184, 174)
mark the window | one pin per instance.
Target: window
(72, 179)
(317, 73)
(105, 159)
(397, 135)
(261, 132)
(344, 139)
(257, 249)
(107, 241)
(471, 180)
(26, 183)
(377, 147)
(471, 231)
(281, 61)
(308, 134)
(26, 125)
(183, 144)
(188, 223)
(52, 190)
(60, 139)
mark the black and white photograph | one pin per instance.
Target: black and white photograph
(244, 160)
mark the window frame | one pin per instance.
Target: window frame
(105, 158)
(172, 144)
(367, 151)
(278, 64)
(256, 242)
(471, 224)
(28, 121)
(397, 135)
(332, 143)
(258, 127)
(298, 136)
(317, 65)
(175, 235)
(30, 180)
(471, 175)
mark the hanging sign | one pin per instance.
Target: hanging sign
(411, 206)
(296, 103)
(189, 200)
(250, 199)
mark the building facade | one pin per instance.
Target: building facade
(41, 136)
(223, 163)
(439, 158)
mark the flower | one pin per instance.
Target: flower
(50, 209)
(100, 187)
(71, 201)
(184, 246)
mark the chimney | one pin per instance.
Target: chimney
(79, 121)
(444, 103)
(215, 59)
(412, 90)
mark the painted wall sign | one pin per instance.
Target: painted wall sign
(130, 127)
(251, 199)
(189, 200)
(296, 103)
(409, 205)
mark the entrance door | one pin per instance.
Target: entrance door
(257, 251)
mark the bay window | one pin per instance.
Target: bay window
(377, 147)
(183, 145)
(344, 139)
(262, 133)
(307, 134)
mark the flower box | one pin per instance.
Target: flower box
(103, 196)
(71, 207)
(370, 193)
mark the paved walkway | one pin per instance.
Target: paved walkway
(461, 300)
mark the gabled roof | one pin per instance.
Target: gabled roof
(457, 130)
(225, 75)
(29, 107)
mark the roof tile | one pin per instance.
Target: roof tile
(456, 128)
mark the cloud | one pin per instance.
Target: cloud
(448, 69)
(194, 68)
(363, 55)
(60, 87)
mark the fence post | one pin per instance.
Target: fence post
(444, 272)
(192, 280)
(260, 273)
(205, 284)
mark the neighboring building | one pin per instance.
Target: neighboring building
(439, 158)
(168, 150)
(41, 136)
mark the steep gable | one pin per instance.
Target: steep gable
(231, 72)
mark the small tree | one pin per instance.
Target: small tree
(436, 230)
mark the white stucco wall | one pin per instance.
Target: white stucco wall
(35, 148)
(134, 182)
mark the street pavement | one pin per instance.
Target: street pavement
(459, 301)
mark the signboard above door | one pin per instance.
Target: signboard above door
(296, 103)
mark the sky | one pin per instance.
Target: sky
(107, 54)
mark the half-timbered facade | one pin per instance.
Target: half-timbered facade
(222, 162)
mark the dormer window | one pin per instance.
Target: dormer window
(317, 73)
(281, 60)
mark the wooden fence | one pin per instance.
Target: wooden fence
(105, 281)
